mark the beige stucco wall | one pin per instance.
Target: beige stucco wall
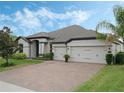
(116, 48)
(57, 45)
(122, 49)
(25, 46)
(33, 49)
(40, 48)
(40, 39)
(47, 47)
(86, 43)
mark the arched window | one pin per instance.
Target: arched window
(21, 48)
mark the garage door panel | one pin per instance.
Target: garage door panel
(59, 53)
(88, 54)
(82, 54)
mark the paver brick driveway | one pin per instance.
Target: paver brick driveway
(51, 75)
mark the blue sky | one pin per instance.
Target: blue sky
(29, 17)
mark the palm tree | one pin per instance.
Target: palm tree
(117, 30)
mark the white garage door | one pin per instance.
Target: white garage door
(88, 54)
(59, 53)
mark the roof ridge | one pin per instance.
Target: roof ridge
(67, 28)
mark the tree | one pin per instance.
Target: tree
(109, 38)
(117, 30)
(8, 46)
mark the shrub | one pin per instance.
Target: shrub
(51, 56)
(0, 54)
(119, 58)
(19, 56)
(109, 58)
(66, 56)
(1, 58)
(48, 56)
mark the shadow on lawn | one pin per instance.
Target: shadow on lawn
(7, 64)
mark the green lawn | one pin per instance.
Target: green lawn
(109, 79)
(18, 63)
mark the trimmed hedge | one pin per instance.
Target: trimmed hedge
(119, 58)
(109, 58)
(48, 56)
(19, 56)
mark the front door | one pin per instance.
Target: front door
(37, 48)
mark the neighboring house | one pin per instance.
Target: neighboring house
(79, 43)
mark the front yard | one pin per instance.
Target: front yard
(111, 78)
(18, 63)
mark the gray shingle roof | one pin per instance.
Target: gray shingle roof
(67, 33)
(70, 32)
(41, 34)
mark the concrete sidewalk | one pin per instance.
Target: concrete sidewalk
(7, 87)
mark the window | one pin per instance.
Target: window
(50, 47)
(21, 48)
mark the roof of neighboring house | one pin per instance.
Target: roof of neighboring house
(25, 39)
(66, 34)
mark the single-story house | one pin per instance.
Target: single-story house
(81, 44)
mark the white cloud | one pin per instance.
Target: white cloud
(76, 16)
(4, 17)
(43, 19)
(27, 19)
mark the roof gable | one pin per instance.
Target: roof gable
(23, 39)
